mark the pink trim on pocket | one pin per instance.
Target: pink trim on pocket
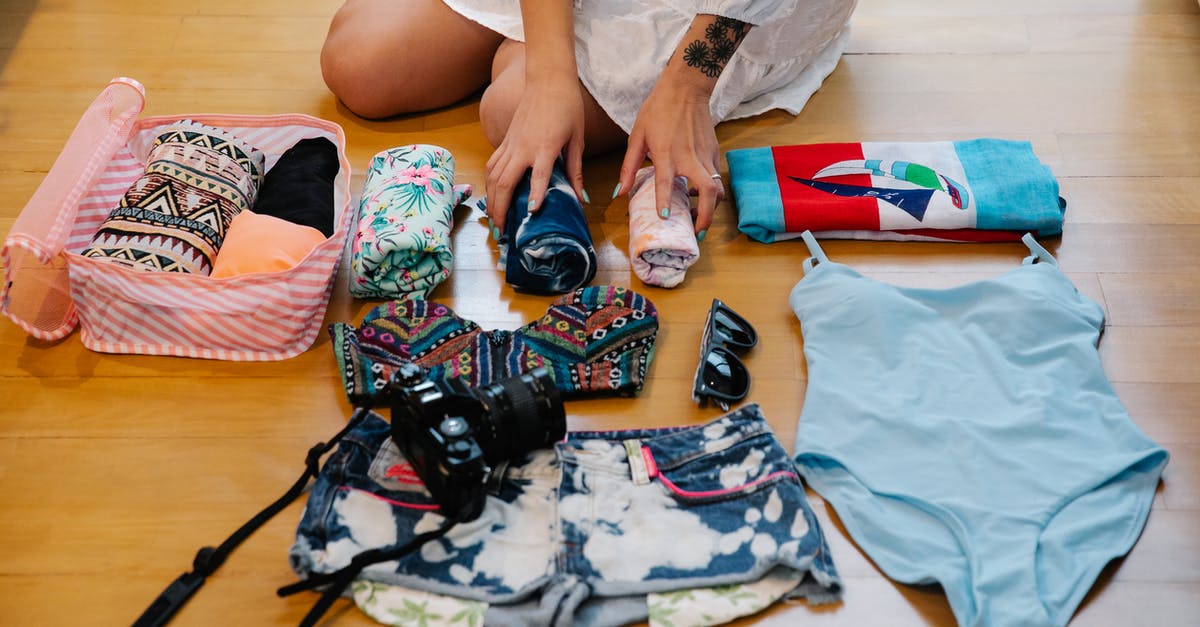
(652, 467)
(426, 508)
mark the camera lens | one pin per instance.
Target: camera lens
(520, 414)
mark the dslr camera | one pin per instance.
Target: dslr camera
(455, 436)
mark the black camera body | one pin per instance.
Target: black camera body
(455, 435)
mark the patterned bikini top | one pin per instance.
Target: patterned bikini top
(595, 340)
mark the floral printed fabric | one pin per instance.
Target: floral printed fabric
(393, 605)
(699, 607)
(401, 249)
(660, 251)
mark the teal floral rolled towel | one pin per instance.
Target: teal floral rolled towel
(401, 248)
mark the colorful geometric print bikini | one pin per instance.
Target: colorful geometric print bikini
(969, 436)
(596, 340)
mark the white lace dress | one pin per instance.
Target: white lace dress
(622, 45)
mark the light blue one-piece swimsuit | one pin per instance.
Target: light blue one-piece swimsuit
(969, 436)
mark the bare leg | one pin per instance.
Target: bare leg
(500, 100)
(386, 57)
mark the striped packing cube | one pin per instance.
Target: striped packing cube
(51, 287)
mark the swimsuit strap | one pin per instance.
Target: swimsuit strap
(814, 249)
(1037, 252)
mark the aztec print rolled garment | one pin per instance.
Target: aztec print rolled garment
(660, 250)
(596, 340)
(175, 216)
(981, 190)
(402, 246)
(692, 525)
(548, 251)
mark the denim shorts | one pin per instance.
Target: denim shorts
(701, 524)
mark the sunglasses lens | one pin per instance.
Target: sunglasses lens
(723, 373)
(732, 329)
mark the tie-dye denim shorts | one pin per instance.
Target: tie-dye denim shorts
(679, 526)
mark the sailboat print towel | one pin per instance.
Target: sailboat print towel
(970, 191)
(402, 246)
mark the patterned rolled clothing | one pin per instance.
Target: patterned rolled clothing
(175, 216)
(660, 251)
(548, 251)
(402, 246)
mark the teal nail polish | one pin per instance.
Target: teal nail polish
(700, 236)
(665, 212)
(496, 233)
(586, 198)
(616, 190)
(531, 205)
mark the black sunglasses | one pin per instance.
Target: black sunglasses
(720, 375)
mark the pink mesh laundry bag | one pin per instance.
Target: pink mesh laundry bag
(49, 287)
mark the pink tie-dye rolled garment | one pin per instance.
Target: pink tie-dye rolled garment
(660, 250)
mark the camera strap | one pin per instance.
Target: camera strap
(209, 559)
(339, 579)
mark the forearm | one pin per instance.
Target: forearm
(549, 41)
(703, 53)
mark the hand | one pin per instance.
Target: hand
(548, 122)
(675, 129)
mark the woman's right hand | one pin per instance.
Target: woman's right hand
(548, 122)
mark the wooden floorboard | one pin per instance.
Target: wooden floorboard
(118, 467)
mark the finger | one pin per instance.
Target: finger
(664, 188)
(500, 184)
(711, 190)
(575, 169)
(635, 155)
(539, 182)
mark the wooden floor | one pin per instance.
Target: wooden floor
(115, 469)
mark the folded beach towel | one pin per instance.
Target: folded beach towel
(660, 251)
(976, 190)
(549, 251)
(175, 215)
(402, 246)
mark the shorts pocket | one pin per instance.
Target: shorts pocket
(750, 466)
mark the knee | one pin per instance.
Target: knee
(352, 72)
(496, 109)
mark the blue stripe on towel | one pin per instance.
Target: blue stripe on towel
(1012, 188)
(756, 192)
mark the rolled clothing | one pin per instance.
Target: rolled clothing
(299, 187)
(660, 250)
(402, 246)
(175, 215)
(548, 251)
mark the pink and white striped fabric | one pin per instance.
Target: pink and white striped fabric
(49, 286)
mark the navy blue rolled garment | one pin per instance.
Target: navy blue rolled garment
(549, 251)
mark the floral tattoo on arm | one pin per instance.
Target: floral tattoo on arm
(721, 40)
